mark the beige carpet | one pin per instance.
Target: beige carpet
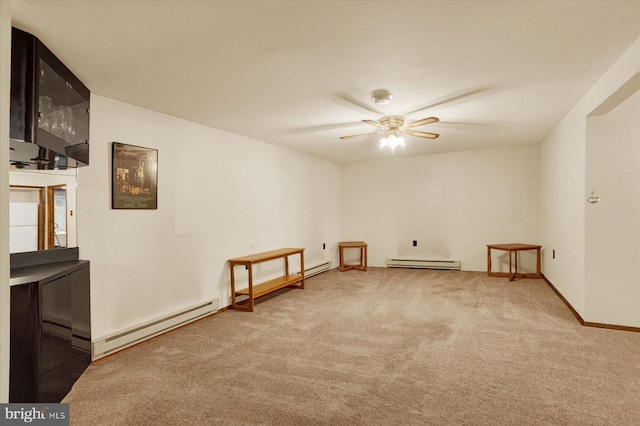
(383, 347)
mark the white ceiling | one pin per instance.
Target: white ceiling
(300, 74)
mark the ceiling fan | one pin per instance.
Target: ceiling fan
(393, 126)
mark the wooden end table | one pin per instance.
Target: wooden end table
(513, 248)
(362, 266)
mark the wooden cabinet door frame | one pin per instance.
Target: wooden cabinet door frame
(51, 230)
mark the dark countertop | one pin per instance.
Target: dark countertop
(40, 257)
(43, 274)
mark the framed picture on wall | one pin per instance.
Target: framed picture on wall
(134, 177)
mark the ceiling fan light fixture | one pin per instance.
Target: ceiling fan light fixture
(381, 97)
(391, 141)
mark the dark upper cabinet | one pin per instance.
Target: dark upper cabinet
(49, 109)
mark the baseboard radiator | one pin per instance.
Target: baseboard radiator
(453, 265)
(125, 338)
(316, 269)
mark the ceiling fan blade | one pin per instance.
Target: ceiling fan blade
(362, 134)
(454, 98)
(323, 127)
(420, 134)
(350, 102)
(374, 123)
(422, 122)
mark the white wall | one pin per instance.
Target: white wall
(562, 180)
(5, 89)
(453, 204)
(23, 226)
(220, 196)
(613, 224)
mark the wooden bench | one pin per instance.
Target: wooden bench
(253, 291)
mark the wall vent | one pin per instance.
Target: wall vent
(453, 265)
(125, 338)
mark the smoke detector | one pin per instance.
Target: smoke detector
(381, 97)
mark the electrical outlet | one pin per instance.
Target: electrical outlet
(415, 243)
(553, 254)
(324, 246)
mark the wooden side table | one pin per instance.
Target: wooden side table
(513, 248)
(362, 266)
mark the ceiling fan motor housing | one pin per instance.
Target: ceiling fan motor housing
(392, 122)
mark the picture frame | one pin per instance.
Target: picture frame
(134, 177)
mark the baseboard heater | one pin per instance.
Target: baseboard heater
(125, 338)
(453, 265)
(316, 269)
